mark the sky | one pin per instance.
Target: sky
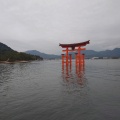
(43, 24)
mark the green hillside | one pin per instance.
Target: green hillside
(8, 54)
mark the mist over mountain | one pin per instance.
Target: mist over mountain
(115, 53)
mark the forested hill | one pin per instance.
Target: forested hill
(4, 48)
(9, 55)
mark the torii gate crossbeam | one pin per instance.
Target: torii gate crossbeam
(73, 47)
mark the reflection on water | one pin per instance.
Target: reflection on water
(74, 78)
(45, 91)
(80, 72)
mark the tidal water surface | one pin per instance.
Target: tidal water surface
(44, 90)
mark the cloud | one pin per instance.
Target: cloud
(43, 24)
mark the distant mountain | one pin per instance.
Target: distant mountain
(88, 54)
(43, 55)
(107, 53)
(9, 55)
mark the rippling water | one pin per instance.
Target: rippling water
(46, 91)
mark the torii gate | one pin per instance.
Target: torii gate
(73, 47)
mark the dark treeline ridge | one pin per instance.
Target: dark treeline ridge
(8, 54)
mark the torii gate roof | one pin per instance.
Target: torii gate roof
(75, 44)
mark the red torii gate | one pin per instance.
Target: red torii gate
(73, 47)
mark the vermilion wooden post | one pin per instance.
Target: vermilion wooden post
(67, 55)
(74, 47)
(62, 59)
(70, 56)
(79, 54)
(76, 58)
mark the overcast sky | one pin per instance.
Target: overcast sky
(43, 24)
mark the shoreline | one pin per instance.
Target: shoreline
(7, 62)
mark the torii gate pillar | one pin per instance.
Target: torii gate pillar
(67, 59)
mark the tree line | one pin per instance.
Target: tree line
(12, 56)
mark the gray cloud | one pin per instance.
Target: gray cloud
(43, 24)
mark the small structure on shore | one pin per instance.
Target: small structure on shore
(75, 47)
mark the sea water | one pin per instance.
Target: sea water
(46, 90)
